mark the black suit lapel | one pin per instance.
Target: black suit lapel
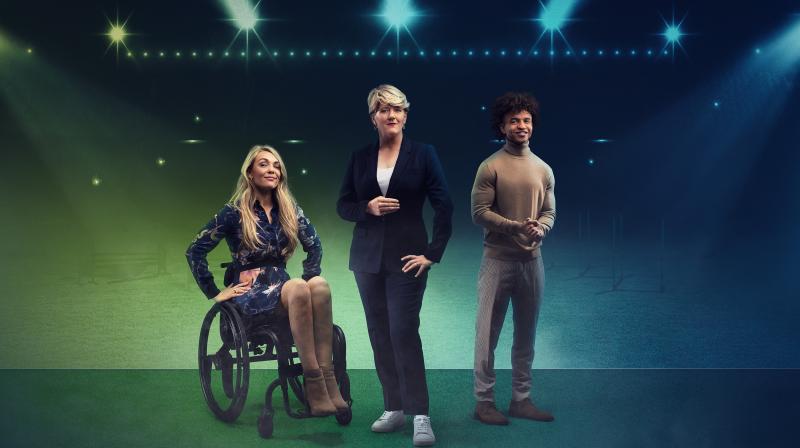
(372, 171)
(399, 166)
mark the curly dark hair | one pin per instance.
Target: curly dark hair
(512, 103)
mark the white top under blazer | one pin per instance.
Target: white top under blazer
(383, 175)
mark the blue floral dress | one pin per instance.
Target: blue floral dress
(265, 294)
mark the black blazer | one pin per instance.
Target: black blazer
(385, 239)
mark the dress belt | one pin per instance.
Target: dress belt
(254, 265)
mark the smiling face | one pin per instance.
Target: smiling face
(266, 171)
(389, 120)
(517, 127)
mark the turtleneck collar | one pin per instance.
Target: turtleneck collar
(515, 149)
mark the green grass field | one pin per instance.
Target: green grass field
(598, 408)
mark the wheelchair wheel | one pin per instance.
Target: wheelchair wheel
(340, 370)
(344, 417)
(224, 361)
(340, 363)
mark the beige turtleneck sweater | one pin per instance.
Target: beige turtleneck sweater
(511, 185)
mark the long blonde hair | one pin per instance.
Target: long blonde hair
(244, 198)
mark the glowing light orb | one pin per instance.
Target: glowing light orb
(242, 13)
(117, 34)
(673, 33)
(304, 171)
(160, 161)
(96, 181)
(556, 14)
(398, 13)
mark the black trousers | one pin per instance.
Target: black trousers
(392, 301)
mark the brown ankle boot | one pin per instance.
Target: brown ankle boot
(317, 395)
(526, 409)
(486, 412)
(333, 389)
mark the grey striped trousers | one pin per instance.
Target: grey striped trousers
(521, 283)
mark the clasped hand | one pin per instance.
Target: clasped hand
(381, 206)
(532, 229)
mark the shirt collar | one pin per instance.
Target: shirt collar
(273, 213)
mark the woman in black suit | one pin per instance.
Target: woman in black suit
(383, 192)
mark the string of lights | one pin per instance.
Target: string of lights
(399, 16)
(438, 53)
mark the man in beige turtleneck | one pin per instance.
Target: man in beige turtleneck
(514, 202)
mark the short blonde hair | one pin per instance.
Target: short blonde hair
(386, 94)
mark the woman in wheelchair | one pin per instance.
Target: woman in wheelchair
(262, 225)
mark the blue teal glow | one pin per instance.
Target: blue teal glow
(398, 13)
(553, 18)
(673, 34)
(556, 13)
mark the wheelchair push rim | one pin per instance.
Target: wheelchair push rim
(233, 351)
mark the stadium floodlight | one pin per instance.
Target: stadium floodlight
(553, 18)
(116, 35)
(398, 15)
(244, 16)
(555, 14)
(672, 34)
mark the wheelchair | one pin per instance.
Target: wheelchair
(237, 340)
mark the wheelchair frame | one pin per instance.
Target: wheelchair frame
(267, 342)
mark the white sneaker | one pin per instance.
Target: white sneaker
(423, 433)
(389, 421)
